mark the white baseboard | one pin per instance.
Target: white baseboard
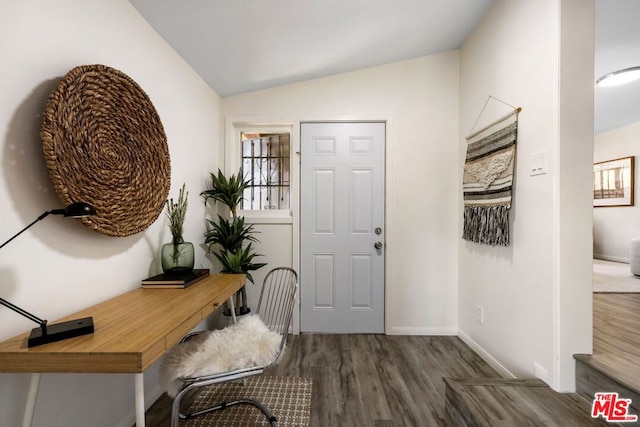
(504, 372)
(149, 399)
(422, 331)
(611, 258)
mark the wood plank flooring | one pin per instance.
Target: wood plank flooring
(515, 402)
(616, 324)
(615, 362)
(380, 381)
(616, 327)
(522, 402)
(371, 380)
(616, 337)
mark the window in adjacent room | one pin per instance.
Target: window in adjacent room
(265, 163)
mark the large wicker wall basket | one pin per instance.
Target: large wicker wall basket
(104, 144)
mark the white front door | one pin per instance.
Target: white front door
(342, 227)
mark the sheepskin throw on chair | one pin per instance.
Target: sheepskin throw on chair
(488, 182)
(248, 343)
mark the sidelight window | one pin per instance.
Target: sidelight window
(266, 165)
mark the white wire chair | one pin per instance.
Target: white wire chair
(275, 309)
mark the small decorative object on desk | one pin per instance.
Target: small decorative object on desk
(177, 256)
(175, 279)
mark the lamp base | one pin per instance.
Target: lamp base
(61, 331)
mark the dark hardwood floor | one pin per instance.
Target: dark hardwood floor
(381, 380)
(371, 380)
(616, 334)
(507, 402)
(378, 380)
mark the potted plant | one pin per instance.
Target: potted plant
(177, 256)
(229, 240)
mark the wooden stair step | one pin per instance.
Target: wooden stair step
(620, 369)
(514, 402)
(608, 373)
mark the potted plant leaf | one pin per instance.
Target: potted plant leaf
(229, 240)
(177, 256)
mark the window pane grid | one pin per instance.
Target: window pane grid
(265, 163)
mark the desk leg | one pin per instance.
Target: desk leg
(30, 406)
(139, 379)
(233, 310)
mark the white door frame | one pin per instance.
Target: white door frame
(232, 162)
(316, 318)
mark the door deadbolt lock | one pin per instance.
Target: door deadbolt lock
(378, 231)
(377, 245)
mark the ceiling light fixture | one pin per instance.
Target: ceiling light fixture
(619, 77)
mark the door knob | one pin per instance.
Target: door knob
(377, 245)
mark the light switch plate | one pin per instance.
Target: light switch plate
(538, 164)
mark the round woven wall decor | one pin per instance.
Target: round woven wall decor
(104, 144)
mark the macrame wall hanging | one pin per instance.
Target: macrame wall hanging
(104, 144)
(488, 179)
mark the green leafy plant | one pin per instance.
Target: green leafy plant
(230, 240)
(229, 191)
(229, 234)
(240, 261)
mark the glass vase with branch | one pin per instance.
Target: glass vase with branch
(178, 255)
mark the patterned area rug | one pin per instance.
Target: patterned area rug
(609, 276)
(289, 398)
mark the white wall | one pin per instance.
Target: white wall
(59, 266)
(419, 98)
(518, 54)
(573, 284)
(614, 227)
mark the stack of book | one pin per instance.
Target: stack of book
(176, 279)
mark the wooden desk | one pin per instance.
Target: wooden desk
(132, 331)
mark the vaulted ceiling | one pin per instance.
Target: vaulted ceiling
(239, 46)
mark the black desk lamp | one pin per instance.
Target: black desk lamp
(63, 330)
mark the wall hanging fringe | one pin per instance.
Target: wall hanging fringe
(488, 180)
